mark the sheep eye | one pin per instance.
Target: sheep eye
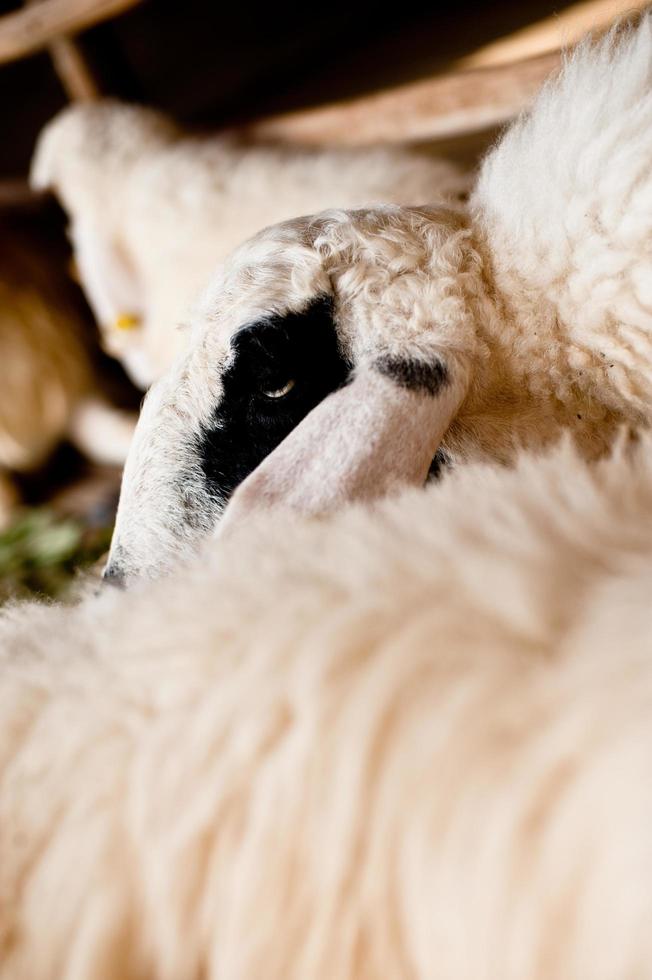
(279, 392)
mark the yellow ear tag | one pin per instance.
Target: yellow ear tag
(126, 321)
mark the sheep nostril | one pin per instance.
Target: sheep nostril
(113, 575)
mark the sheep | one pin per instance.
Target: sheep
(153, 210)
(49, 387)
(335, 357)
(410, 741)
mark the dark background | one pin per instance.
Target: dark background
(212, 64)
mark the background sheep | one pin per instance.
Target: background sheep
(153, 211)
(50, 385)
(402, 742)
(479, 332)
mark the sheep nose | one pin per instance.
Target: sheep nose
(113, 575)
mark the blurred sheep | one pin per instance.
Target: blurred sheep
(408, 742)
(49, 385)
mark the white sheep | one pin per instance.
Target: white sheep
(407, 740)
(332, 356)
(411, 742)
(153, 211)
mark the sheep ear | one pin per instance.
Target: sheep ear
(378, 433)
(107, 275)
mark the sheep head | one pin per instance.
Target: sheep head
(86, 155)
(325, 363)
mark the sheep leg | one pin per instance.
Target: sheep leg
(102, 432)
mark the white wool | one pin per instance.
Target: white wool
(565, 202)
(406, 742)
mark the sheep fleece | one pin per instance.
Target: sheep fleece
(412, 741)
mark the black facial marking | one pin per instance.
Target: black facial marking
(440, 463)
(249, 422)
(425, 376)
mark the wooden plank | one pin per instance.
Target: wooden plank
(71, 67)
(566, 27)
(73, 70)
(435, 108)
(26, 31)
(484, 89)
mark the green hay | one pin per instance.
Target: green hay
(40, 554)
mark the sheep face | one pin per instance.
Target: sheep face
(325, 362)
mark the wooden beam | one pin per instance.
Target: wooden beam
(26, 31)
(16, 194)
(73, 70)
(71, 66)
(565, 28)
(436, 108)
(482, 90)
